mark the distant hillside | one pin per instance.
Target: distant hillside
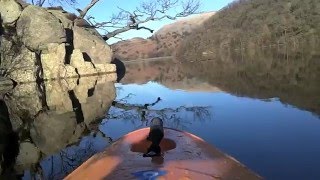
(254, 24)
(164, 42)
(136, 48)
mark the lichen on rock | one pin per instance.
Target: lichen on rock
(10, 11)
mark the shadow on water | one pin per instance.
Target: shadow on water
(9, 146)
(58, 123)
(121, 68)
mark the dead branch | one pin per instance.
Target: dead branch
(87, 8)
(125, 20)
(147, 11)
(142, 112)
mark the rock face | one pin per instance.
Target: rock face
(5, 82)
(29, 155)
(10, 11)
(89, 41)
(39, 43)
(37, 28)
(164, 42)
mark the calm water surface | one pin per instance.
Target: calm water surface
(264, 112)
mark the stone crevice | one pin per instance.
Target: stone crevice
(76, 105)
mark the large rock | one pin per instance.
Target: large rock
(51, 131)
(85, 83)
(24, 103)
(102, 97)
(38, 28)
(68, 72)
(5, 82)
(28, 156)
(18, 62)
(49, 43)
(10, 11)
(5, 85)
(105, 68)
(65, 17)
(83, 68)
(57, 97)
(53, 61)
(23, 67)
(89, 41)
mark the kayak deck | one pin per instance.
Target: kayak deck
(184, 156)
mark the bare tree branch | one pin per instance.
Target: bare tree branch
(133, 112)
(87, 8)
(125, 20)
(148, 11)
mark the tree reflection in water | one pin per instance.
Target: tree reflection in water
(61, 164)
(172, 117)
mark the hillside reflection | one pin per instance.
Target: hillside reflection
(293, 78)
(49, 129)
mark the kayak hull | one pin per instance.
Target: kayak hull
(184, 156)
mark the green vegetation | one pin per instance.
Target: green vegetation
(251, 24)
(294, 78)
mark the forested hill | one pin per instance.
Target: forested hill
(258, 23)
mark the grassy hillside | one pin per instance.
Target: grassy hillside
(255, 24)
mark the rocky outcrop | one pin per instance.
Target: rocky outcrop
(164, 42)
(28, 156)
(47, 44)
(38, 28)
(90, 42)
(10, 11)
(5, 82)
(51, 131)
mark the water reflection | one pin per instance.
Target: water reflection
(127, 109)
(264, 110)
(293, 78)
(51, 119)
(246, 106)
(275, 140)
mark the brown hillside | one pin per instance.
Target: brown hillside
(161, 43)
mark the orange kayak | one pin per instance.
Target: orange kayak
(184, 156)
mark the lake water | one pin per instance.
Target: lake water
(262, 111)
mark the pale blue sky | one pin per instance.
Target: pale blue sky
(104, 9)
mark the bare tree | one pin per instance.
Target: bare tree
(150, 10)
(125, 20)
